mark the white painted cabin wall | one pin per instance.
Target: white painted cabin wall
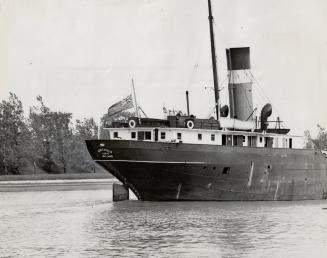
(191, 136)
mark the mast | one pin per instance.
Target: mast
(214, 62)
(135, 102)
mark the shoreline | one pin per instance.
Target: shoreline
(39, 177)
(57, 185)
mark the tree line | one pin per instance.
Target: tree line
(45, 141)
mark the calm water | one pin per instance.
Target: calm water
(87, 224)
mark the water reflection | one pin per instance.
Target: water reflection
(88, 224)
(208, 228)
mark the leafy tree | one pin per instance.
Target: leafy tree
(308, 140)
(320, 142)
(14, 136)
(80, 159)
(52, 136)
(86, 129)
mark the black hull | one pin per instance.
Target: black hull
(176, 171)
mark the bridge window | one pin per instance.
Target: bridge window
(133, 135)
(163, 135)
(147, 135)
(200, 137)
(213, 137)
(115, 134)
(179, 136)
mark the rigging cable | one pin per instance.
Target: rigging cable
(269, 101)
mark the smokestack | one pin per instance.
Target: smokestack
(240, 83)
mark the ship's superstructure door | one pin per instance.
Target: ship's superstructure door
(156, 131)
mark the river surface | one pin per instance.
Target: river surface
(86, 223)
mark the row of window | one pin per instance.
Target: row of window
(141, 135)
(227, 140)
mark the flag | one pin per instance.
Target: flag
(120, 106)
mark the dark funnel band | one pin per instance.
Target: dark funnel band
(238, 58)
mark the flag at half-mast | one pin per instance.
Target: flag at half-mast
(120, 106)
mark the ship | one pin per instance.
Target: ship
(234, 156)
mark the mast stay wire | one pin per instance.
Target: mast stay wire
(196, 63)
(260, 89)
(259, 96)
(267, 98)
(262, 97)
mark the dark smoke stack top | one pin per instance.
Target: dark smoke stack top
(238, 58)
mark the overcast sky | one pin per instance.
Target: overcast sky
(80, 55)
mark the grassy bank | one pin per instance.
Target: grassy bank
(56, 176)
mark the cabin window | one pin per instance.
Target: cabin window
(290, 143)
(260, 139)
(179, 136)
(243, 138)
(163, 135)
(200, 137)
(115, 134)
(133, 135)
(229, 140)
(269, 142)
(147, 135)
(226, 170)
(140, 136)
(252, 141)
(238, 140)
(235, 140)
(213, 137)
(223, 140)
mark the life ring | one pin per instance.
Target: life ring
(132, 123)
(190, 124)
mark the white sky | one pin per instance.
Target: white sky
(80, 55)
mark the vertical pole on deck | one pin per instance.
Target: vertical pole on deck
(135, 102)
(187, 103)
